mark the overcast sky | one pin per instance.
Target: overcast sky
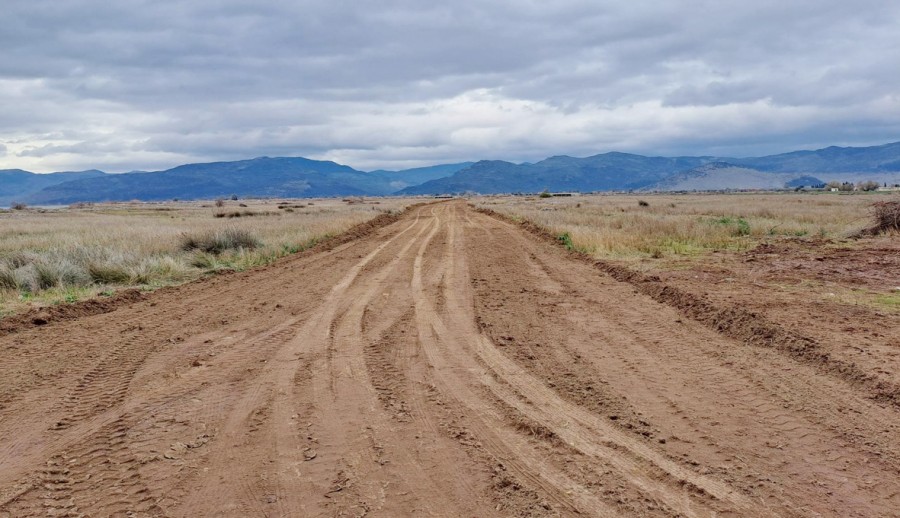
(151, 84)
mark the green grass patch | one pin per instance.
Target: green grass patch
(890, 300)
(740, 227)
(566, 240)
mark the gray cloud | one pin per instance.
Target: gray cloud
(148, 84)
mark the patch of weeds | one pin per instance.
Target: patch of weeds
(566, 240)
(293, 248)
(889, 300)
(287, 249)
(793, 233)
(741, 227)
(59, 295)
(680, 247)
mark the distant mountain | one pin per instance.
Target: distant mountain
(281, 177)
(407, 177)
(264, 177)
(623, 171)
(723, 175)
(609, 171)
(302, 177)
(884, 158)
(17, 185)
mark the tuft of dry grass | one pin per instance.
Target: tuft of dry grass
(219, 241)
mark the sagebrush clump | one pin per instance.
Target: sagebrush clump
(220, 241)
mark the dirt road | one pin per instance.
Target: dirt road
(447, 364)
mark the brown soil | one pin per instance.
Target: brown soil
(445, 363)
(820, 290)
(43, 316)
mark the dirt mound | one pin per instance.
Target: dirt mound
(42, 316)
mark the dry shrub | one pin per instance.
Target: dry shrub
(7, 278)
(244, 213)
(220, 241)
(108, 274)
(887, 216)
(26, 279)
(60, 271)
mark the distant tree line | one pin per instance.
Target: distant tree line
(850, 186)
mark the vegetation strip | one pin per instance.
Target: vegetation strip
(37, 317)
(748, 327)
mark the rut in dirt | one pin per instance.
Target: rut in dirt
(444, 363)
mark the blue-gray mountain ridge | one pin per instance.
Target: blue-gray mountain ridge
(305, 178)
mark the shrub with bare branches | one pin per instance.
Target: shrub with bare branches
(886, 215)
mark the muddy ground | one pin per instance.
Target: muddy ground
(445, 363)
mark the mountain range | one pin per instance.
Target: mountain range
(305, 178)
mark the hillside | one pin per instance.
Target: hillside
(609, 171)
(723, 175)
(834, 159)
(408, 177)
(623, 171)
(302, 177)
(261, 177)
(17, 185)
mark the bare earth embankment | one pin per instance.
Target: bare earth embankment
(447, 363)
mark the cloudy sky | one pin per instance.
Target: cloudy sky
(149, 84)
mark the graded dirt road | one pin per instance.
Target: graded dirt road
(447, 364)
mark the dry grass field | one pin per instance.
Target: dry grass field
(67, 254)
(635, 227)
